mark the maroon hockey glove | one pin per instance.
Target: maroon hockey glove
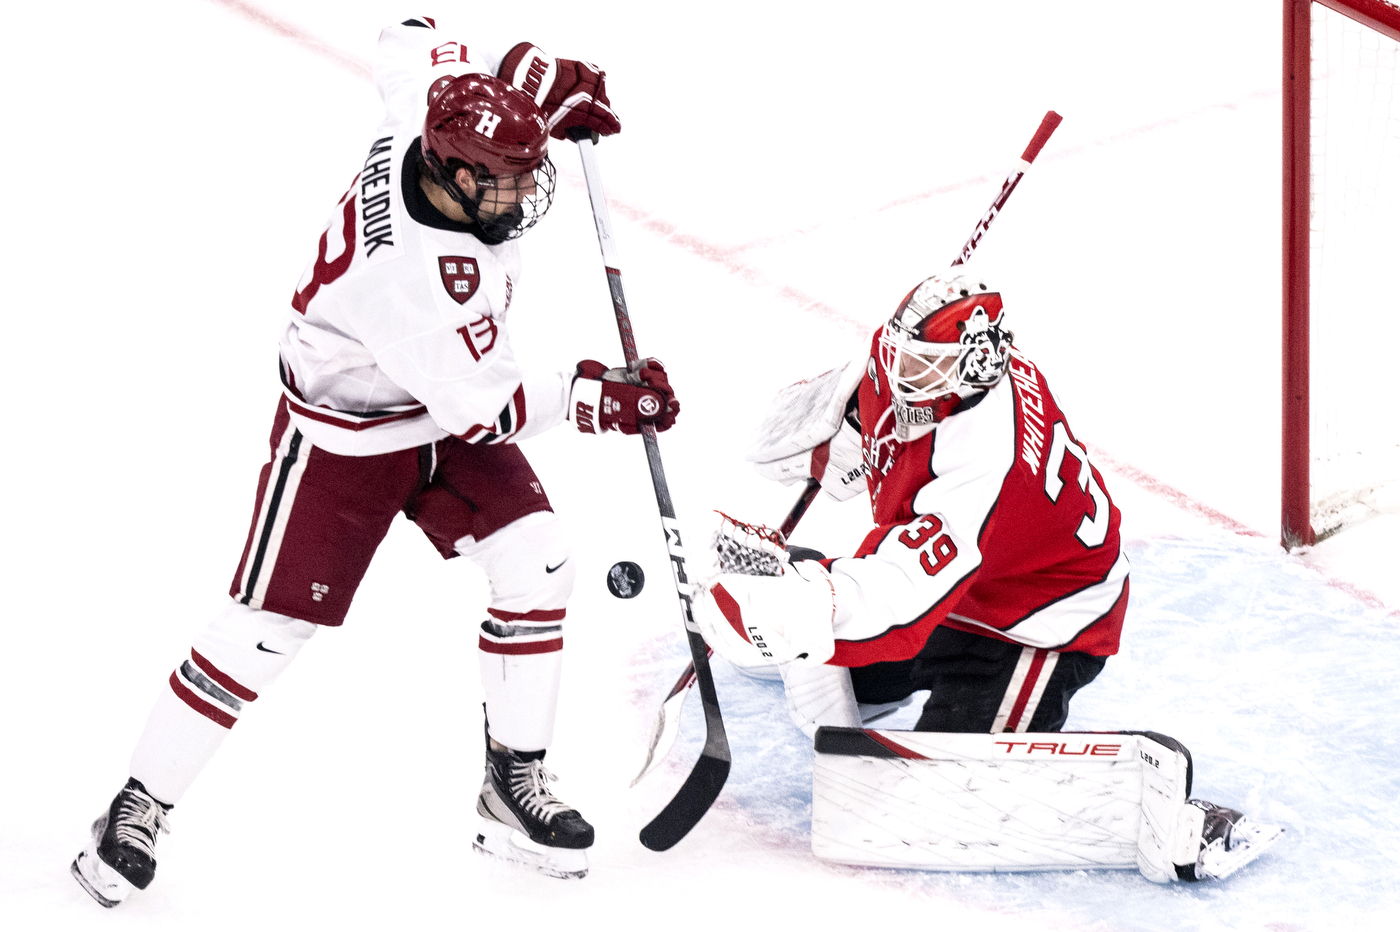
(572, 94)
(606, 399)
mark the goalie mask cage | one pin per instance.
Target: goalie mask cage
(1341, 262)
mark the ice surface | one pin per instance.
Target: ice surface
(171, 164)
(1219, 655)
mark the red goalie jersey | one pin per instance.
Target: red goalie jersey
(996, 523)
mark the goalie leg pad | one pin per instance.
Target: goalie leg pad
(970, 802)
(1014, 802)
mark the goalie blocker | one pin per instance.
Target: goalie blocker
(1022, 802)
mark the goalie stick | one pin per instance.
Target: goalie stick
(666, 726)
(1038, 141)
(695, 796)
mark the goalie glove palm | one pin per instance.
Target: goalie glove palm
(754, 621)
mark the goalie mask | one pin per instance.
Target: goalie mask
(943, 345)
(497, 133)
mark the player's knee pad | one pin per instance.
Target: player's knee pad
(529, 564)
(240, 653)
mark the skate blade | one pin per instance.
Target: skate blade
(1250, 841)
(102, 883)
(507, 844)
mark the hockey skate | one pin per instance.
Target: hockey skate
(523, 822)
(121, 856)
(1229, 841)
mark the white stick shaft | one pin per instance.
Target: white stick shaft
(594, 179)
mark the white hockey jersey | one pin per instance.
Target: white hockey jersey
(397, 335)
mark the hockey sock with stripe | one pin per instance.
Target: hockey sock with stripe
(521, 656)
(239, 654)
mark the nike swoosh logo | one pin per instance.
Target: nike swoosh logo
(550, 569)
(268, 650)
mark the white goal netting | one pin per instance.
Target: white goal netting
(1355, 271)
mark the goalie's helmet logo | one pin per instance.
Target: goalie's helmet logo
(983, 348)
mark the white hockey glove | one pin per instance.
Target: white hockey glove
(756, 621)
(812, 431)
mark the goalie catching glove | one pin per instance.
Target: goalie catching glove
(812, 431)
(571, 93)
(604, 399)
(756, 621)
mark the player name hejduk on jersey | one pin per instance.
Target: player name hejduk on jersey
(397, 336)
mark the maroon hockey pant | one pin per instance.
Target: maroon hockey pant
(319, 517)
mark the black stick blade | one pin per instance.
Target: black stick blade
(690, 804)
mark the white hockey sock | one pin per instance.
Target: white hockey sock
(521, 646)
(239, 653)
(521, 657)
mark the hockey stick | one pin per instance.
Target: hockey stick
(667, 724)
(698, 792)
(1042, 135)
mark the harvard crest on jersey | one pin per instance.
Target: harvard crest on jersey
(459, 276)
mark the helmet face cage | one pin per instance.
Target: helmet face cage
(928, 377)
(506, 225)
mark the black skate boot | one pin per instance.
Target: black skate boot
(1229, 841)
(122, 854)
(523, 822)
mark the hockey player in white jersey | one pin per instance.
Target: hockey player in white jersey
(402, 394)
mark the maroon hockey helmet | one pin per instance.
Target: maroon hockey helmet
(946, 342)
(485, 122)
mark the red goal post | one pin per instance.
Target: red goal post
(1328, 442)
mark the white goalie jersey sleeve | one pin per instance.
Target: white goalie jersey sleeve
(397, 334)
(907, 575)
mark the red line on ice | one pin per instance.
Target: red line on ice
(352, 63)
(1172, 494)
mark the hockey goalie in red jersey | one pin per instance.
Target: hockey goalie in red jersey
(994, 576)
(994, 579)
(402, 394)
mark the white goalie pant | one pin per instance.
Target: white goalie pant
(1004, 802)
(818, 695)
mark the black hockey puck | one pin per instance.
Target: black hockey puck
(625, 579)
